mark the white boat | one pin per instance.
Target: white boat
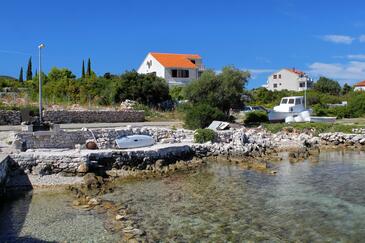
(134, 141)
(289, 106)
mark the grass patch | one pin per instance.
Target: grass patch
(317, 128)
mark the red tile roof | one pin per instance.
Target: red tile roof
(360, 84)
(176, 60)
(295, 71)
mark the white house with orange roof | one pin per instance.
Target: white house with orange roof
(289, 79)
(360, 86)
(177, 69)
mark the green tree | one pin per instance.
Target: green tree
(356, 104)
(223, 90)
(29, 69)
(176, 92)
(147, 89)
(346, 89)
(88, 72)
(83, 69)
(61, 84)
(326, 85)
(201, 115)
(21, 75)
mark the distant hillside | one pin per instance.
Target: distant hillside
(7, 77)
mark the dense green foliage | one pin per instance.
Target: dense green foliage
(316, 128)
(177, 93)
(204, 135)
(212, 96)
(143, 88)
(223, 90)
(61, 86)
(255, 117)
(201, 115)
(326, 85)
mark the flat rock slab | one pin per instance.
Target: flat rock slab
(35, 181)
(85, 153)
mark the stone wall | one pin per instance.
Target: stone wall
(68, 116)
(10, 117)
(105, 137)
(4, 169)
(72, 161)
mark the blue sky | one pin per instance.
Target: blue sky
(319, 37)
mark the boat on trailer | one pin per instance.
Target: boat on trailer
(293, 109)
(289, 106)
(134, 141)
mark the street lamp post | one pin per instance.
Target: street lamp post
(40, 82)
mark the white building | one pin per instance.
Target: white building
(360, 86)
(289, 79)
(177, 69)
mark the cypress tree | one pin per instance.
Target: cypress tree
(21, 75)
(36, 73)
(83, 69)
(29, 69)
(89, 68)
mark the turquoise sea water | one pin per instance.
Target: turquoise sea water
(321, 201)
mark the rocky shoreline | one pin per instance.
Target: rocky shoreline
(255, 145)
(90, 174)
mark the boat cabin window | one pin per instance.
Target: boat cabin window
(284, 101)
(291, 101)
(298, 101)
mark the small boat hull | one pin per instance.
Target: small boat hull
(134, 141)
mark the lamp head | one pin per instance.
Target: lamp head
(41, 46)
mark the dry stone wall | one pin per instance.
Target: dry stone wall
(10, 117)
(68, 116)
(105, 137)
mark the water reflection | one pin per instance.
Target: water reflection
(307, 201)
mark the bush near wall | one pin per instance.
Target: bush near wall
(255, 117)
(201, 116)
(204, 135)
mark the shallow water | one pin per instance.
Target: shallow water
(308, 201)
(48, 216)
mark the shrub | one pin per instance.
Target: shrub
(201, 115)
(256, 117)
(356, 105)
(204, 135)
(338, 111)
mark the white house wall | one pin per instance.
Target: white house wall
(154, 67)
(289, 81)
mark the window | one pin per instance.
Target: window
(291, 101)
(275, 76)
(193, 61)
(275, 86)
(279, 76)
(302, 85)
(298, 101)
(179, 73)
(284, 101)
